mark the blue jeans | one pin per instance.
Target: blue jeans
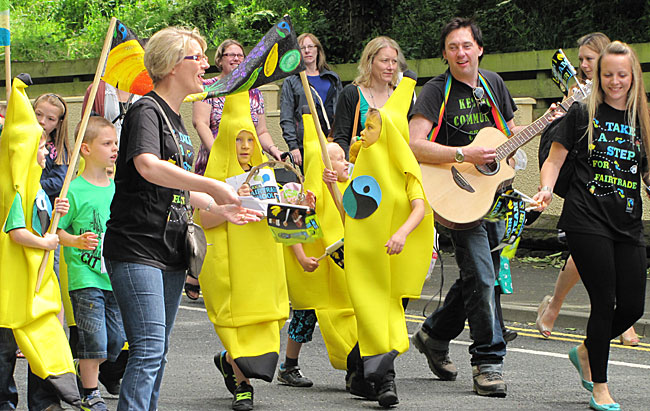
(99, 324)
(148, 298)
(471, 297)
(8, 392)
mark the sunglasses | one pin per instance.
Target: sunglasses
(196, 57)
(479, 97)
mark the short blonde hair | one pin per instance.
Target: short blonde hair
(368, 55)
(166, 48)
(93, 128)
(222, 49)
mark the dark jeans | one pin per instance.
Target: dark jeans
(40, 394)
(471, 297)
(8, 392)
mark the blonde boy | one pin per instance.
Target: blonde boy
(95, 310)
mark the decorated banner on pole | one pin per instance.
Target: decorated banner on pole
(275, 57)
(5, 37)
(125, 63)
(562, 70)
(5, 40)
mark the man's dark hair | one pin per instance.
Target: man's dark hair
(458, 23)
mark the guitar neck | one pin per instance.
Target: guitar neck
(524, 136)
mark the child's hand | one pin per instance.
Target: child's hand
(309, 264)
(50, 241)
(396, 243)
(87, 241)
(330, 176)
(61, 206)
(244, 190)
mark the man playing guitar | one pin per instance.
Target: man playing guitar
(449, 112)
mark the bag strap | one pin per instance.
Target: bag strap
(322, 106)
(178, 145)
(356, 117)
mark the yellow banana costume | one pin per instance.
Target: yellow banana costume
(377, 282)
(325, 289)
(31, 316)
(243, 280)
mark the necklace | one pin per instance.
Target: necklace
(373, 97)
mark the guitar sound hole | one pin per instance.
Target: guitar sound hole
(489, 169)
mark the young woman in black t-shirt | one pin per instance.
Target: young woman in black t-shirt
(144, 240)
(602, 209)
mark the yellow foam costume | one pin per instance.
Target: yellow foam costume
(325, 289)
(31, 316)
(377, 282)
(243, 280)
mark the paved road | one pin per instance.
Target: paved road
(538, 374)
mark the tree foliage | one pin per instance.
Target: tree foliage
(72, 29)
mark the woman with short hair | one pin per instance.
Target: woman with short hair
(154, 187)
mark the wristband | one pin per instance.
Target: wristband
(546, 188)
(209, 204)
(270, 147)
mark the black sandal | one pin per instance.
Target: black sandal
(192, 288)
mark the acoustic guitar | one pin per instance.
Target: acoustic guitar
(461, 194)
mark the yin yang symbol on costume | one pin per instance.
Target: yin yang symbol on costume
(362, 197)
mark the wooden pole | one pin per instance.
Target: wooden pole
(8, 71)
(79, 139)
(336, 194)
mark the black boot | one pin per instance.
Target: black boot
(387, 392)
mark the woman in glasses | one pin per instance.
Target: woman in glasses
(379, 68)
(144, 244)
(206, 116)
(325, 89)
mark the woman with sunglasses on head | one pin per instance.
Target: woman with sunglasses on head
(325, 89)
(144, 244)
(206, 116)
(379, 68)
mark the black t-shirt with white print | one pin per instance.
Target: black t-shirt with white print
(604, 196)
(148, 222)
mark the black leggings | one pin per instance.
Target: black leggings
(614, 275)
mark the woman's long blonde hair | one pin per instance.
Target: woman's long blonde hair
(596, 42)
(636, 107)
(368, 55)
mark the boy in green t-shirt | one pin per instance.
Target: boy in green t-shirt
(99, 324)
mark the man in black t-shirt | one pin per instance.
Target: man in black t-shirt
(465, 111)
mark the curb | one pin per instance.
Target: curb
(527, 314)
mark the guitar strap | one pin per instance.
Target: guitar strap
(500, 121)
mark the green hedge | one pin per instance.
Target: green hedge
(52, 30)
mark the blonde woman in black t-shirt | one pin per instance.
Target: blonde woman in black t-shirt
(590, 46)
(144, 240)
(602, 210)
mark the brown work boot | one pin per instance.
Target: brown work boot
(439, 361)
(488, 383)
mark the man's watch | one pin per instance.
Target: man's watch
(459, 157)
